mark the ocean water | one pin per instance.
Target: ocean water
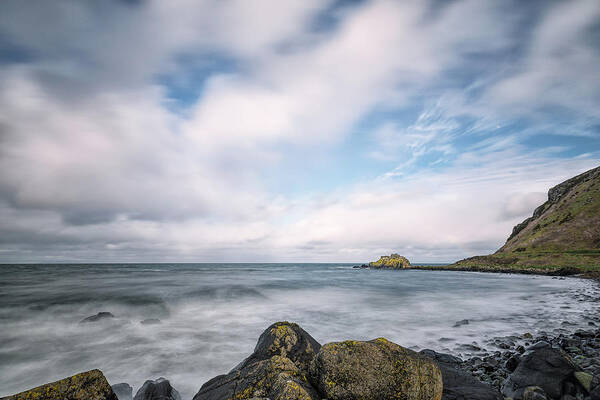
(212, 314)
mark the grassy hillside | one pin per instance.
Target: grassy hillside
(562, 232)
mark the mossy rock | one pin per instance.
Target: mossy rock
(90, 385)
(374, 370)
(276, 369)
(285, 339)
(394, 261)
(276, 378)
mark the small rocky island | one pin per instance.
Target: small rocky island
(394, 261)
(289, 364)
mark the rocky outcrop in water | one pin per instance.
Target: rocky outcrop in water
(394, 261)
(98, 317)
(90, 385)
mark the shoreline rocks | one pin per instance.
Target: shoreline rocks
(289, 364)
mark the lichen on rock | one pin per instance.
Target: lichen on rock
(376, 370)
(90, 385)
(276, 369)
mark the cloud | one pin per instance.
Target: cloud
(100, 160)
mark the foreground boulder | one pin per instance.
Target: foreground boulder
(159, 389)
(376, 370)
(460, 385)
(124, 391)
(288, 364)
(91, 385)
(542, 366)
(276, 369)
(287, 340)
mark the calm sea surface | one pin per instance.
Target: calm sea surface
(212, 314)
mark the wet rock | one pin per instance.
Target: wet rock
(543, 366)
(447, 359)
(90, 385)
(288, 340)
(123, 391)
(377, 370)
(150, 321)
(512, 363)
(584, 379)
(276, 369)
(100, 316)
(276, 378)
(159, 389)
(461, 323)
(595, 393)
(534, 393)
(460, 385)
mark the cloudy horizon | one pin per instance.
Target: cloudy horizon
(295, 131)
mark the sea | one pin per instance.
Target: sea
(211, 315)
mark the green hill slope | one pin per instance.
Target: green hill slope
(563, 232)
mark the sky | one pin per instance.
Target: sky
(287, 131)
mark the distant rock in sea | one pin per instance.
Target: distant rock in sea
(394, 261)
(100, 316)
(150, 321)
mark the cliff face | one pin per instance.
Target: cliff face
(562, 232)
(569, 220)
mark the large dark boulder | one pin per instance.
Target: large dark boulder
(159, 389)
(460, 385)
(375, 370)
(276, 369)
(285, 339)
(124, 391)
(90, 385)
(543, 366)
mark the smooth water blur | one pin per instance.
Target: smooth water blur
(212, 314)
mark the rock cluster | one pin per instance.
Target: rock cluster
(561, 366)
(288, 363)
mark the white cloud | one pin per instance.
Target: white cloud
(93, 164)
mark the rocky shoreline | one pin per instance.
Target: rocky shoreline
(555, 271)
(288, 363)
